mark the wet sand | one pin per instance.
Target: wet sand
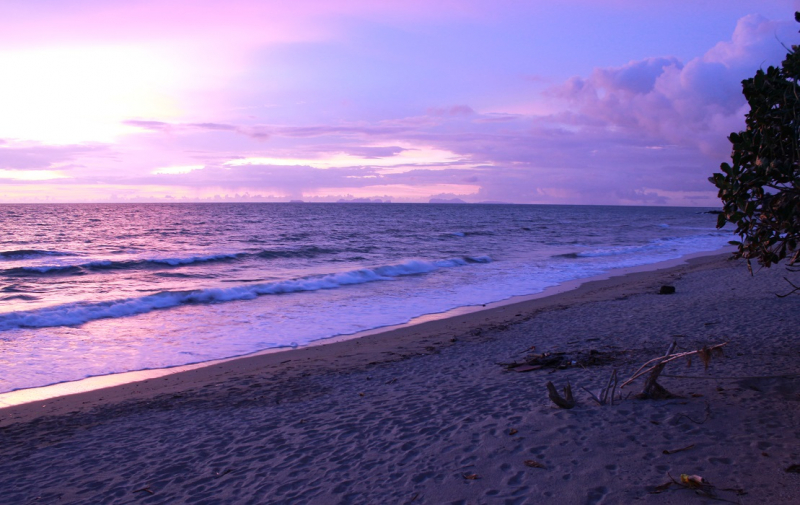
(427, 414)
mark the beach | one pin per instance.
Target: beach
(428, 413)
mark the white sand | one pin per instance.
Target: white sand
(404, 417)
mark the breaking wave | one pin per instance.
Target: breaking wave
(99, 265)
(82, 312)
(24, 254)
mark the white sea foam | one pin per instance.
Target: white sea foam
(192, 259)
(22, 254)
(82, 312)
(654, 250)
(77, 267)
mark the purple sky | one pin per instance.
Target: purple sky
(575, 102)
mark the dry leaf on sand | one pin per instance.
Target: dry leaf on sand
(533, 464)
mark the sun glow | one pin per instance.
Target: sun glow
(78, 94)
(412, 157)
(185, 169)
(31, 175)
(397, 191)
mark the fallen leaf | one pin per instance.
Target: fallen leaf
(692, 480)
(512, 431)
(738, 491)
(705, 356)
(661, 488)
(527, 368)
(673, 451)
(471, 476)
(533, 464)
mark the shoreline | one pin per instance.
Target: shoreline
(56, 399)
(429, 414)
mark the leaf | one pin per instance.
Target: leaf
(705, 356)
(661, 488)
(666, 451)
(512, 431)
(693, 481)
(527, 368)
(533, 464)
(471, 476)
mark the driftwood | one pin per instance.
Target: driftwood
(562, 360)
(565, 402)
(652, 389)
(795, 290)
(602, 396)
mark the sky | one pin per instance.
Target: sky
(620, 102)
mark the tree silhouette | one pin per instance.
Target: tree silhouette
(759, 189)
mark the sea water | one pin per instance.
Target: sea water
(90, 290)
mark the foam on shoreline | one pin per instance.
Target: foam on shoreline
(428, 414)
(497, 312)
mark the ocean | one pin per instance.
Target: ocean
(89, 290)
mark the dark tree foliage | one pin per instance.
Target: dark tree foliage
(759, 189)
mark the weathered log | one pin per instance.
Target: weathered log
(663, 360)
(565, 402)
(651, 387)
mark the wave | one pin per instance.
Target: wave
(572, 255)
(100, 265)
(26, 298)
(82, 312)
(24, 254)
(468, 233)
(306, 252)
(655, 246)
(61, 269)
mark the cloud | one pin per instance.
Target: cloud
(148, 125)
(266, 131)
(637, 77)
(213, 126)
(648, 131)
(366, 152)
(256, 132)
(693, 104)
(453, 110)
(640, 196)
(38, 157)
(365, 130)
